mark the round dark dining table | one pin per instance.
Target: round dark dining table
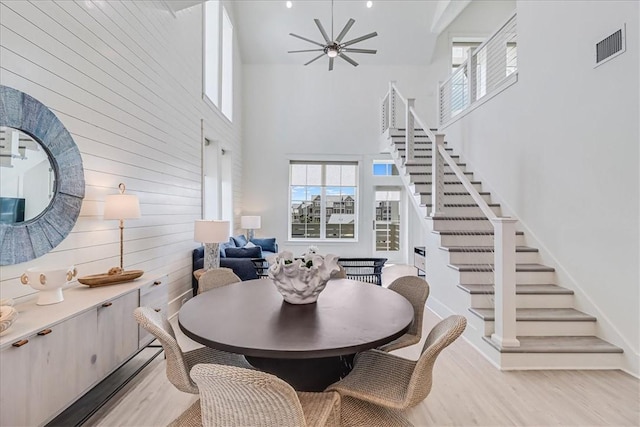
(309, 345)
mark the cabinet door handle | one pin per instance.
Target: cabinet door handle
(157, 310)
(157, 282)
(107, 304)
(20, 343)
(44, 332)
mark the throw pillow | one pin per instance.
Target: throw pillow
(268, 244)
(224, 246)
(240, 240)
(244, 252)
(250, 245)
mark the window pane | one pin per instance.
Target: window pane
(227, 65)
(298, 174)
(333, 175)
(314, 174)
(348, 175)
(212, 41)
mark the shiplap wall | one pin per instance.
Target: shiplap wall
(125, 78)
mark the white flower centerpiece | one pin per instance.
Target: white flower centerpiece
(301, 280)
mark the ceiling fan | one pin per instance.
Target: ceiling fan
(335, 47)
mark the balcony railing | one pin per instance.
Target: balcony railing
(490, 68)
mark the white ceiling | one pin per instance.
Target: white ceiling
(407, 29)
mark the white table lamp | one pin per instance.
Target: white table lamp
(121, 206)
(211, 233)
(250, 223)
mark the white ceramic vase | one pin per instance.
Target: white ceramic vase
(8, 315)
(300, 281)
(49, 282)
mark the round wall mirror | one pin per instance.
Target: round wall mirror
(41, 178)
(27, 178)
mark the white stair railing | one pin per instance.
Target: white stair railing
(504, 227)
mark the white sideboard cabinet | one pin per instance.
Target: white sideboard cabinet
(54, 354)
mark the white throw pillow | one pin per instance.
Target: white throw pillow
(250, 245)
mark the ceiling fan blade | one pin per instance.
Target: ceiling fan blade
(306, 50)
(346, 49)
(322, 31)
(306, 39)
(349, 60)
(315, 59)
(359, 39)
(346, 28)
(331, 64)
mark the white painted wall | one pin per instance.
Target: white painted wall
(125, 78)
(297, 112)
(559, 149)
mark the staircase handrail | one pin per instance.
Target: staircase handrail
(504, 227)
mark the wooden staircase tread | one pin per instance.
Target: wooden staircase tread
(453, 193)
(548, 289)
(414, 163)
(483, 248)
(490, 267)
(446, 182)
(538, 315)
(559, 344)
(458, 218)
(445, 173)
(469, 232)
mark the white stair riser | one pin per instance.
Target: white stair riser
(402, 133)
(547, 328)
(427, 168)
(522, 277)
(457, 199)
(452, 187)
(456, 224)
(488, 257)
(466, 211)
(513, 361)
(474, 240)
(525, 301)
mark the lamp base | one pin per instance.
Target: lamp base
(211, 256)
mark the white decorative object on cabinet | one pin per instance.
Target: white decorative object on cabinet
(54, 354)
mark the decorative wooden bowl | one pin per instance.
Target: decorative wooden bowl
(110, 279)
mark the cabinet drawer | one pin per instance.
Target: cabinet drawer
(117, 332)
(419, 261)
(155, 295)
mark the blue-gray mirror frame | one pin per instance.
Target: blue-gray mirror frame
(21, 242)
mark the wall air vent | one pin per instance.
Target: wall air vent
(611, 46)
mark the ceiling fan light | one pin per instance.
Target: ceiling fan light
(289, 4)
(332, 53)
(369, 4)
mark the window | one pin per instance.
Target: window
(384, 168)
(218, 57)
(323, 200)
(212, 50)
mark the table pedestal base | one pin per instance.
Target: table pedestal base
(306, 374)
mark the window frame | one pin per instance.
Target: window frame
(223, 102)
(323, 201)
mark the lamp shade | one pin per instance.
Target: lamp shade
(211, 231)
(121, 206)
(250, 222)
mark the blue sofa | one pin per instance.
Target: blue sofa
(246, 262)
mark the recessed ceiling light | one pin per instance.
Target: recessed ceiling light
(369, 4)
(289, 4)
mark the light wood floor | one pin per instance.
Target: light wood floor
(467, 391)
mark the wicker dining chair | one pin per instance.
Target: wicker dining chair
(416, 290)
(231, 396)
(178, 363)
(391, 381)
(215, 278)
(340, 274)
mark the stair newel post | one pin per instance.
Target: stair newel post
(392, 105)
(437, 176)
(505, 282)
(409, 125)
